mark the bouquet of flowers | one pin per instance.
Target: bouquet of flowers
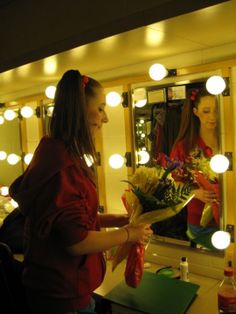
(153, 196)
(199, 168)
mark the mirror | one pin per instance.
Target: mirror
(157, 113)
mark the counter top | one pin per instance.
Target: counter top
(205, 302)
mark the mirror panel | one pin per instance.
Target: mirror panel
(156, 126)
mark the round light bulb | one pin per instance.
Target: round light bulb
(14, 203)
(219, 163)
(9, 115)
(27, 158)
(3, 155)
(143, 157)
(157, 72)
(13, 159)
(1, 120)
(220, 239)
(26, 112)
(113, 99)
(116, 161)
(50, 111)
(140, 103)
(4, 190)
(50, 91)
(215, 85)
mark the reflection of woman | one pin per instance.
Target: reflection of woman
(198, 132)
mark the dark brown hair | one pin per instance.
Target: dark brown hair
(190, 123)
(69, 121)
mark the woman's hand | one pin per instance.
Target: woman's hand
(206, 196)
(140, 233)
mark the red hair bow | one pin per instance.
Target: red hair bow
(85, 80)
(193, 95)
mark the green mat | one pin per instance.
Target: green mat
(157, 294)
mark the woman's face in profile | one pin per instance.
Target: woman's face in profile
(207, 112)
(96, 111)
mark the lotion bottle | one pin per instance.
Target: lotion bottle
(184, 269)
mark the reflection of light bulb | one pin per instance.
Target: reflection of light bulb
(26, 112)
(4, 190)
(215, 85)
(113, 99)
(143, 157)
(116, 161)
(27, 159)
(50, 91)
(140, 103)
(9, 114)
(13, 159)
(219, 163)
(3, 155)
(220, 240)
(1, 120)
(157, 72)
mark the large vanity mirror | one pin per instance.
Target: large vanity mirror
(157, 114)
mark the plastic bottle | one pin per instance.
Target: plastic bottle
(227, 292)
(184, 269)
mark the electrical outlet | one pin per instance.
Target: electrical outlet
(230, 229)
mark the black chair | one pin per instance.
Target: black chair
(12, 292)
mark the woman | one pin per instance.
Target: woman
(64, 262)
(198, 136)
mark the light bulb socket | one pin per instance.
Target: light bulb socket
(128, 158)
(38, 112)
(172, 72)
(226, 91)
(230, 230)
(125, 99)
(229, 155)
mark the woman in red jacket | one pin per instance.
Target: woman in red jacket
(57, 193)
(198, 134)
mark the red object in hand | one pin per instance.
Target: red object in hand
(203, 182)
(135, 265)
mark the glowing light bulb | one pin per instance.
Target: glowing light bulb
(113, 99)
(27, 159)
(13, 159)
(157, 72)
(14, 203)
(215, 85)
(26, 112)
(3, 155)
(50, 91)
(143, 157)
(50, 111)
(1, 120)
(116, 161)
(219, 163)
(9, 115)
(4, 190)
(220, 239)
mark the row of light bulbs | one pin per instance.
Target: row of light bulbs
(13, 159)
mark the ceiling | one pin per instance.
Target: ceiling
(203, 36)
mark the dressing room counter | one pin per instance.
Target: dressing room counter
(205, 301)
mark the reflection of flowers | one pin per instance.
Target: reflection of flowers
(154, 196)
(198, 167)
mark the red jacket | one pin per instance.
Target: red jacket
(195, 206)
(60, 204)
